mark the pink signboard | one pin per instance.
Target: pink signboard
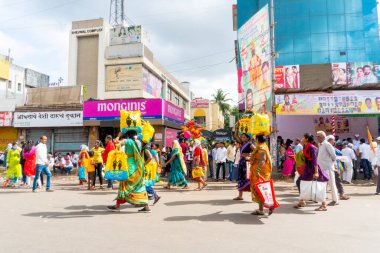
(150, 109)
(173, 113)
(170, 136)
(200, 103)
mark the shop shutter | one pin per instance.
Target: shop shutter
(70, 139)
(35, 135)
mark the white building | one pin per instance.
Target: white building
(114, 63)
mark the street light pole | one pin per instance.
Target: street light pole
(273, 142)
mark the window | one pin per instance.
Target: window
(169, 94)
(176, 99)
(184, 104)
(19, 87)
(9, 85)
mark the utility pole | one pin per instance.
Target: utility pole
(273, 142)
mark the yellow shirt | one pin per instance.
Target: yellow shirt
(90, 165)
(98, 154)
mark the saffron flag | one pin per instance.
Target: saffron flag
(370, 140)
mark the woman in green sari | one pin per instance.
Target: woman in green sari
(133, 189)
(178, 168)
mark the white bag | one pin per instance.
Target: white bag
(313, 190)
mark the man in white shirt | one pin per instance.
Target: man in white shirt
(221, 157)
(42, 164)
(298, 146)
(213, 153)
(364, 152)
(350, 154)
(327, 160)
(231, 150)
(356, 142)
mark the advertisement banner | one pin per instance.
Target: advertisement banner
(342, 102)
(150, 109)
(7, 135)
(4, 69)
(152, 84)
(200, 103)
(170, 136)
(48, 119)
(255, 56)
(173, 113)
(5, 119)
(287, 77)
(323, 123)
(355, 73)
(125, 35)
(124, 77)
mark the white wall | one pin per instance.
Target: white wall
(10, 98)
(295, 126)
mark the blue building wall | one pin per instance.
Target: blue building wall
(321, 31)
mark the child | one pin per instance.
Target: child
(90, 168)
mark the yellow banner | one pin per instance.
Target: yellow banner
(7, 135)
(4, 69)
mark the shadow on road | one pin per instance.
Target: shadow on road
(236, 218)
(218, 202)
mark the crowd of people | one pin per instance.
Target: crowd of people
(246, 161)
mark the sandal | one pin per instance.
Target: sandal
(258, 212)
(344, 197)
(299, 205)
(204, 186)
(167, 187)
(238, 198)
(197, 189)
(186, 187)
(144, 210)
(156, 200)
(321, 208)
(271, 210)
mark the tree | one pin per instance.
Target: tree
(221, 98)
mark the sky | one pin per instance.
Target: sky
(192, 39)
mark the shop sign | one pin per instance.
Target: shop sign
(87, 30)
(5, 119)
(48, 119)
(222, 135)
(287, 77)
(200, 103)
(170, 136)
(150, 109)
(339, 102)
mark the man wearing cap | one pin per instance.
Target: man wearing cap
(350, 154)
(326, 160)
(337, 168)
(378, 165)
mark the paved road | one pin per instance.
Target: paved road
(74, 220)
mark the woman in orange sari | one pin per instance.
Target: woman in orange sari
(260, 166)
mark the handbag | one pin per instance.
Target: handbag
(313, 190)
(116, 166)
(265, 190)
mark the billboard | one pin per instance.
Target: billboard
(355, 73)
(152, 84)
(125, 35)
(339, 102)
(4, 69)
(287, 77)
(323, 123)
(124, 77)
(255, 57)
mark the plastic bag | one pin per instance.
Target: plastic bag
(116, 166)
(265, 190)
(130, 121)
(260, 124)
(313, 190)
(82, 173)
(147, 132)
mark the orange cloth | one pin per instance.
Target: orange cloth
(265, 171)
(90, 165)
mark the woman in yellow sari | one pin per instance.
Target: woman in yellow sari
(260, 166)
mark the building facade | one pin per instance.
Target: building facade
(321, 31)
(207, 114)
(114, 65)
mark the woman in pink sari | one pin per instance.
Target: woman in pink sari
(289, 160)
